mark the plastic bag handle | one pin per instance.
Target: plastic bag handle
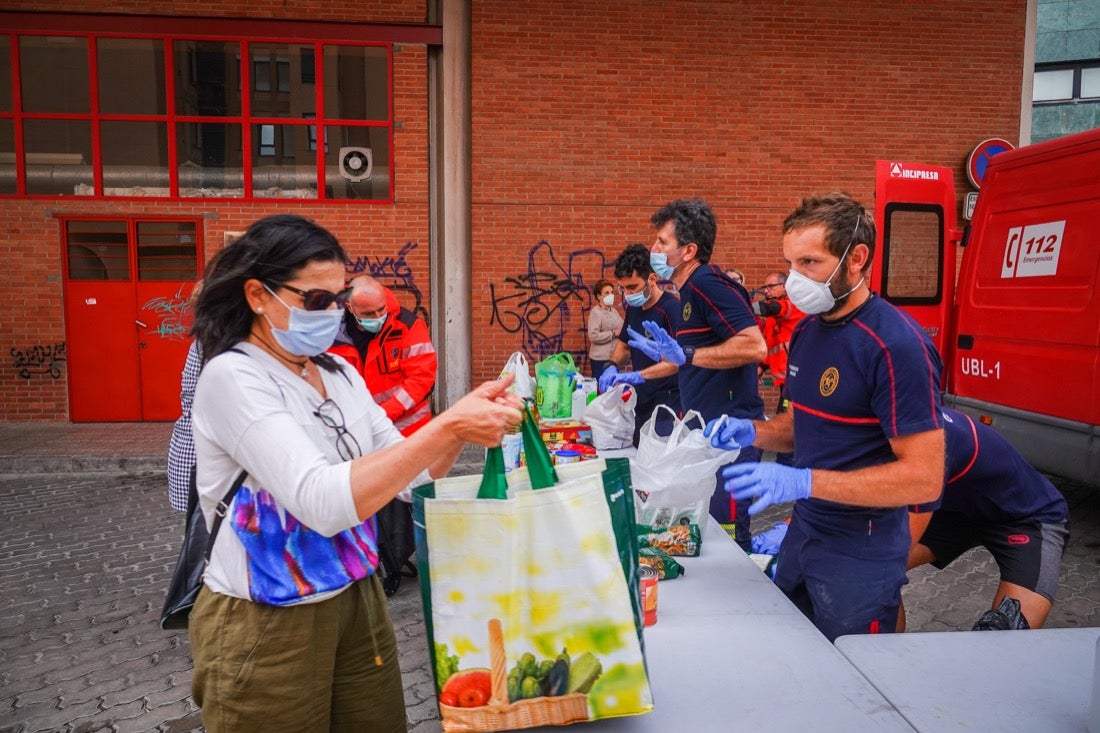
(653, 421)
(681, 426)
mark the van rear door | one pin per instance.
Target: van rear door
(914, 266)
(1028, 312)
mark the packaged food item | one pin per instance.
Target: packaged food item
(512, 445)
(667, 568)
(678, 540)
(647, 577)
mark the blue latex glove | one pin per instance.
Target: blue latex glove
(730, 433)
(661, 346)
(768, 541)
(634, 378)
(607, 379)
(770, 483)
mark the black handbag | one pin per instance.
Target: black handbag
(186, 580)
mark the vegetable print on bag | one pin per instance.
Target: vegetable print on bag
(531, 601)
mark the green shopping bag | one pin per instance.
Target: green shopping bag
(531, 601)
(555, 378)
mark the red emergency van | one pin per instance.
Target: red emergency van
(1019, 329)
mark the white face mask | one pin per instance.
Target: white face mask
(609, 299)
(812, 297)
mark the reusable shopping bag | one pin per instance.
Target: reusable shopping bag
(675, 473)
(524, 386)
(554, 379)
(531, 596)
(611, 417)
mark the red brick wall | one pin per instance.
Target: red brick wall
(589, 116)
(586, 118)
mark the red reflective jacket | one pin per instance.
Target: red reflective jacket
(398, 365)
(777, 335)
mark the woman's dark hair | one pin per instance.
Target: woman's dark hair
(272, 251)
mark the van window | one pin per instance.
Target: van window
(912, 254)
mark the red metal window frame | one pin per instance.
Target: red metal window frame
(243, 32)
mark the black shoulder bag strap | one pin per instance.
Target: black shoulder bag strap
(219, 514)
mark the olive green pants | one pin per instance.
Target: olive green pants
(327, 666)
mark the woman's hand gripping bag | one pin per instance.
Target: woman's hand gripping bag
(531, 597)
(675, 474)
(611, 417)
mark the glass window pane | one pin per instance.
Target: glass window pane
(209, 160)
(1090, 82)
(913, 248)
(208, 78)
(5, 74)
(97, 250)
(135, 158)
(7, 157)
(357, 162)
(285, 169)
(274, 65)
(58, 156)
(167, 250)
(131, 76)
(357, 82)
(261, 74)
(53, 73)
(1050, 85)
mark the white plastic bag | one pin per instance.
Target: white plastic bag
(524, 386)
(611, 417)
(675, 474)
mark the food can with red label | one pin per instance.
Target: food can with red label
(647, 577)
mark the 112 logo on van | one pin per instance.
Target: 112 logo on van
(1033, 251)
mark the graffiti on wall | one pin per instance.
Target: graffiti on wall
(171, 314)
(550, 301)
(394, 272)
(39, 359)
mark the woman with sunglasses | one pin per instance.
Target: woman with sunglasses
(291, 631)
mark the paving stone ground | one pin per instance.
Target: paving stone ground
(85, 557)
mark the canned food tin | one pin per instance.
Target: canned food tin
(647, 577)
(566, 455)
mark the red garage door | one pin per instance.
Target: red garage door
(127, 287)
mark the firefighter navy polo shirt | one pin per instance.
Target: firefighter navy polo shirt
(713, 309)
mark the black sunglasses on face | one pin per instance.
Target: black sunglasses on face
(319, 299)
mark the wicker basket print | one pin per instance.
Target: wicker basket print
(500, 713)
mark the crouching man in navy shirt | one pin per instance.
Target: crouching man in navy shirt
(994, 498)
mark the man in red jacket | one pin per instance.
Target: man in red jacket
(391, 347)
(780, 316)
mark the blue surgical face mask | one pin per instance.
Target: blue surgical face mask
(659, 262)
(637, 299)
(372, 325)
(308, 333)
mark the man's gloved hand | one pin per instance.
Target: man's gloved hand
(730, 433)
(607, 379)
(661, 346)
(770, 483)
(634, 378)
(768, 541)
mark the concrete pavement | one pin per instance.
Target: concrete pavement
(87, 542)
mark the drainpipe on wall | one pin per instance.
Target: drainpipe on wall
(1026, 91)
(449, 199)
